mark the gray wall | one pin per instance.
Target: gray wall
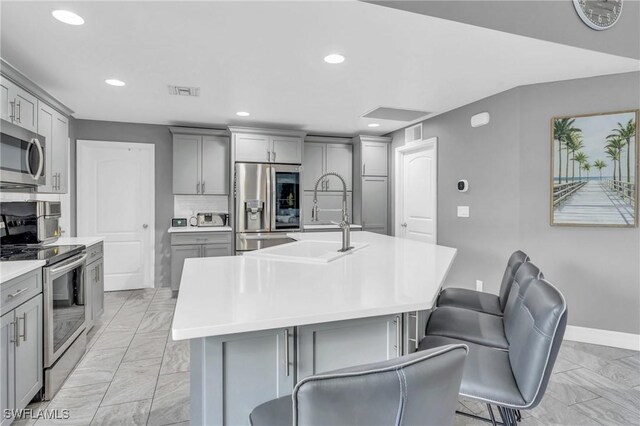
(507, 164)
(143, 133)
(555, 21)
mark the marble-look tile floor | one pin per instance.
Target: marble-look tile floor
(134, 374)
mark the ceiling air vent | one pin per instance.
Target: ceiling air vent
(395, 114)
(184, 91)
(413, 133)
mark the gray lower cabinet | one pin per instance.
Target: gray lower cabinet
(94, 281)
(231, 375)
(187, 245)
(330, 346)
(21, 353)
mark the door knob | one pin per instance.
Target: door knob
(403, 224)
(145, 226)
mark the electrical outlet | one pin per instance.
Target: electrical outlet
(478, 285)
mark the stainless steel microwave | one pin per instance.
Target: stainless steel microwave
(22, 157)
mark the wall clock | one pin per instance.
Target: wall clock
(599, 14)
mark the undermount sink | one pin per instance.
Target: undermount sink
(306, 251)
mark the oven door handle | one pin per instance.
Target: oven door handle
(69, 266)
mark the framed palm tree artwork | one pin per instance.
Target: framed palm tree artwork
(594, 169)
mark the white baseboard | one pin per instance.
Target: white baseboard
(596, 336)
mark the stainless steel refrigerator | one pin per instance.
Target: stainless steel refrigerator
(267, 204)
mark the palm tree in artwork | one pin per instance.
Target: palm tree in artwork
(599, 164)
(614, 155)
(617, 143)
(562, 128)
(574, 143)
(627, 133)
(581, 158)
(587, 168)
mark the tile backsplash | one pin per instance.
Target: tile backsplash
(189, 205)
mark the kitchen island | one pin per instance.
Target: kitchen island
(258, 325)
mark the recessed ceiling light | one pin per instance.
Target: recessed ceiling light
(373, 125)
(242, 114)
(68, 17)
(334, 58)
(114, 82)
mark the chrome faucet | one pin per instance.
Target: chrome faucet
(344, 224)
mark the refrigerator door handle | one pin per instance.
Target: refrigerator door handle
(273, 192)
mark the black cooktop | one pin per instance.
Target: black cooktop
(51, 254)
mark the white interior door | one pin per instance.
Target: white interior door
(417, 192)
(115, 188)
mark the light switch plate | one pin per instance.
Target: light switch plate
(463, 211)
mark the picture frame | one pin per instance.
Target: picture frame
(594, 169)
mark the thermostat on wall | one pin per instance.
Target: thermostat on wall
(463, 185)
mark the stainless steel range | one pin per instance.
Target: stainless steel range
(63, 284)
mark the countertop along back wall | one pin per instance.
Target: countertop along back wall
(143, 133)
(508, 165)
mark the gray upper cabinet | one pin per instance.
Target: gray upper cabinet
(375, 158)
(321, 157)
(339, 160)
(267, 145)
(313, 164)
(54, 126)
(18, 106)
(200, 161)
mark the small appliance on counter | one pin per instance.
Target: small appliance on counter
(211, 219)
(179, 222)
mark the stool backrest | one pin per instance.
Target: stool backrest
(525, 275)
(420, 388)
(535, 330)
(515, 261)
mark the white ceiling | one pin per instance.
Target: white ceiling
(266, 58)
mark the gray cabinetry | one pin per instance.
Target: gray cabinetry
(7, 362)
(21, 342)
(18, 106)
(266, 145)
(371, 184)
(231, 375)
(94, 282)
(200, 161)
(54, 126)
(187, 245)
(321, 157)
(341, 344)
(28, 350)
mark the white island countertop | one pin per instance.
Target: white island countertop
(236, 294)
(13, 269)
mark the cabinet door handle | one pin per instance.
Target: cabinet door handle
(198, 188)
(286, 351)
(16, 338)
(18, 114)
(17, 293)
(398, 335)
(202, 187)
(327, 185)
(274, 155)
(13, 111)
(364, 168)
(24, 327)
(268, 155)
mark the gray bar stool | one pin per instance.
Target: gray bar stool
(485, 302)
(417, 389)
